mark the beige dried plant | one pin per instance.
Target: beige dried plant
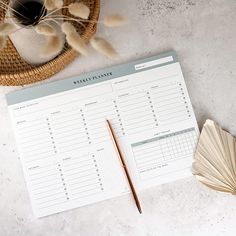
(45, 26)
(74, 39)
(53, 4)
(115, 20)
(78, 9)
(215, 158)
(103, 47)
(45, 29)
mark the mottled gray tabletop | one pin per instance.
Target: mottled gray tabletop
(203, 33)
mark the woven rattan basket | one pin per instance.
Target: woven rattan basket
(14, 71)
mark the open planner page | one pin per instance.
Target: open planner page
(64, 145)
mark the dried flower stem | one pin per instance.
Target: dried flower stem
(52, 12)
(43, 10)
(50, 19)
(12, 9)
(64, 18)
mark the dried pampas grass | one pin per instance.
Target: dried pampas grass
(53, 4)
(103, 47)
(58, 3)
(79, 14)
(115, 20)
(3, 41)
(7, 28)
(74, 39)
(53, 46)
(67, 28)
(79, 9)
(49, 5)
(77, 43)
(45, 29)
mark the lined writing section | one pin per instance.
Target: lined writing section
(58, 170)
(35, 139)
(136, 111)
(95, 114)
(82, 176)
(46, 185)
(41, 163)
(68, 130)
(155, 153)
(75, 178)
(170, 103)
(152, 105)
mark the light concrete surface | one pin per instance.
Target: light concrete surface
(203, 33)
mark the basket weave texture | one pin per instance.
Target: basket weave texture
(15, 71)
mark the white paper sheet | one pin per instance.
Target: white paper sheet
(66, 151)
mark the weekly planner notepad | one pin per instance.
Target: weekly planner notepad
(65, 148)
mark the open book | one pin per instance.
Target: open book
(66, 150)
(215, 158)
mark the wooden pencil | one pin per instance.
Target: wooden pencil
(119, 153)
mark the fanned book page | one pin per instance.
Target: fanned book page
(64, 145)
(215, 158)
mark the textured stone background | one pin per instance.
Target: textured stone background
(203, 33)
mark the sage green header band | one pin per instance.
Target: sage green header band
(91, 78)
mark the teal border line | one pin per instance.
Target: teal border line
(84, 79)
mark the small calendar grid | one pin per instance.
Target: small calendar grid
(150, 154)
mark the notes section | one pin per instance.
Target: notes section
(156, 153)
